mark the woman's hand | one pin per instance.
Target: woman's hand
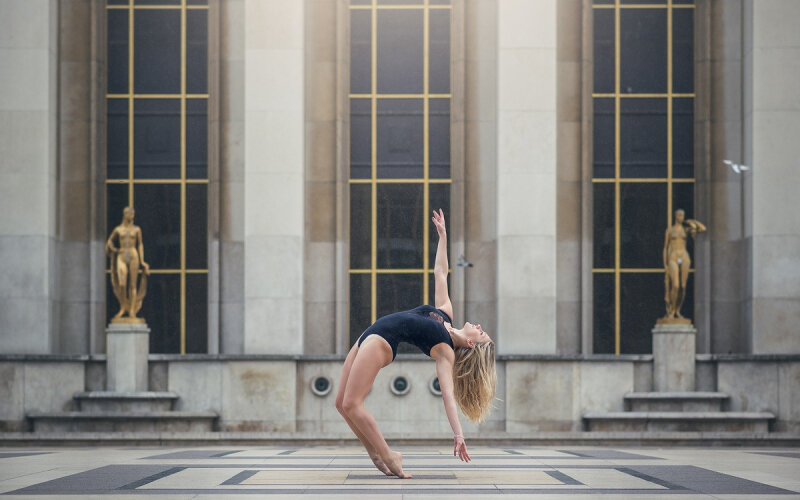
(438, 221)
(460, 448)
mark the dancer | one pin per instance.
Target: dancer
(465, 366)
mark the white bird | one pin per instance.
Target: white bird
(735, 166)
(462, 262)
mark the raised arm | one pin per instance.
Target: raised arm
(444, 370)
(441, 267)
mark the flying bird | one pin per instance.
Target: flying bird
(735, 166)
(462, 262)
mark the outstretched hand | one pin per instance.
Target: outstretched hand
(438, 221)
(460, 449)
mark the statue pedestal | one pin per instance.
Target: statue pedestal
(674, 350)
(127, 347)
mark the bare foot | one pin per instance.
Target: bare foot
(395, 465)
(376, 459)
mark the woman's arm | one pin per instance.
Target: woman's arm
(444, 370)
(441, 267)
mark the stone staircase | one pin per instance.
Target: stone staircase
(677, 412)
(106, 411)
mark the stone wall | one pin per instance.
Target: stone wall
(535, 394)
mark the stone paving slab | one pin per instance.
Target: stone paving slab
(320, 472)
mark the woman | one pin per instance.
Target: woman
(464, 365)
(677, 262)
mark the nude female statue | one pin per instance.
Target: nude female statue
(125, 263)
(677, 262)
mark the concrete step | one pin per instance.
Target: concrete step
(82, 421)
(122, 402)
(675, 401)
(668, 421)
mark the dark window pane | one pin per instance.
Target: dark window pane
(602, 2)
(157, 139)
(643, 221)
(158, 213)
(603, 50)
(196, 138)
(603, 138)
(439, 127)
(400, 226)
(197, 51)
(683, 50)
(157, 2)
(641, 304)
(400, 137)
(157, 51)
(398, 292)
(683, 198)
(360, 304)
(197, 313)
(197, 2)
(439, 72)
(643, 138)
(196, 226)
(161, 309)
(603, 317)
(117, 51)
(360, 51)
(683, 2)
(116, 201)
(439, 196)
(117, 2)
(683, 138)
(400, 51)
(643, 54)
(360, 226)
(603, 226)
(360, 139)
(117, 138)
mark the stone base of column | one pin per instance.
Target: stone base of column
(674, 348)
(127, 347)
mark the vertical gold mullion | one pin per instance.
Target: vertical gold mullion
(669, 112)
(374, 164)
(130, 102)
(183, 177)
(426, 208)
(617, 213)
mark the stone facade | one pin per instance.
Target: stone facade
(278, 222)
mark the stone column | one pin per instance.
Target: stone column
(28, 175)
(274, 169)
(674, 346)
(127, 346)
(772, 119)
(526, 177)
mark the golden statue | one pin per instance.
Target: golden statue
(677, 264)
(125, 263)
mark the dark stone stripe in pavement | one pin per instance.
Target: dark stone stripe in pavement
(192, 454)
(106, 478)
(707, 481)
(242, 476)
(149, 479)
(787, 454)
(560, 476)
(15, 454)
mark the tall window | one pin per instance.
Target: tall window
(157, 160)
(399, 151)
(643, 161)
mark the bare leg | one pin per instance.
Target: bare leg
(134, 276)
(373, 355)
(373, 454)
(674, 285)
(685, 265)
(122, 279)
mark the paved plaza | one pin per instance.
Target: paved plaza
(345, 471)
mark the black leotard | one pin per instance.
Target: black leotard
(422, 327)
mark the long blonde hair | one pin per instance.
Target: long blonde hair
(475, 380)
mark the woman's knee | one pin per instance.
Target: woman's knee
(349, 405)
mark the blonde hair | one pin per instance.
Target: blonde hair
(475, 380)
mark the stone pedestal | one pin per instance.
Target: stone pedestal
(127, 346)
(674, 357)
